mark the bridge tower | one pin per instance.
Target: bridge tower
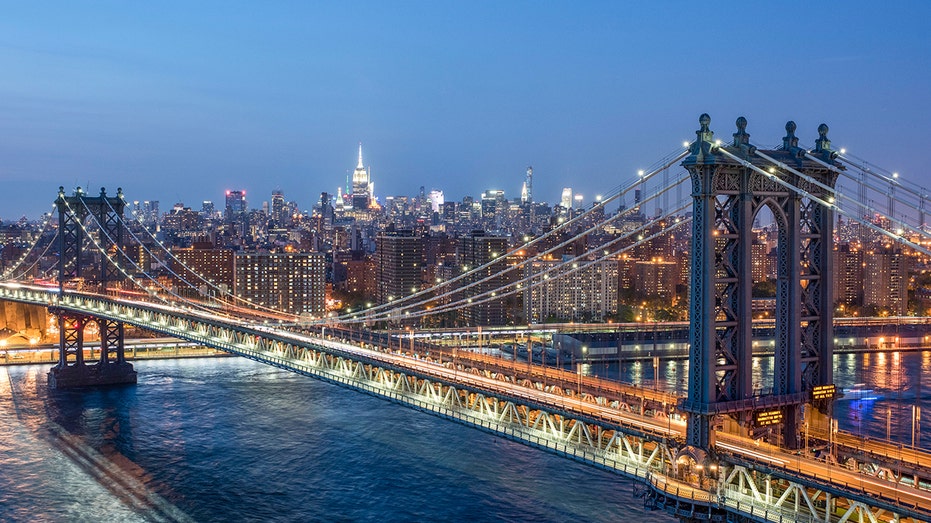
(728, 192)
(111, 368)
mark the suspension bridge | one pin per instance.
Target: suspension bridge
(696, 456)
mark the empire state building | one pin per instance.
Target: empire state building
(361, 186)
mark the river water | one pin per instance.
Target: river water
(883, 389)
(227, 439)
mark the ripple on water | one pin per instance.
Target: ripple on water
(229, 439)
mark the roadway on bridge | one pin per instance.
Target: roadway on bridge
(787, 462)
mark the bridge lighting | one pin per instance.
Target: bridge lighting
(772, 170)
(717, 142)
(843, 151)
(895, 175)
(640, 172)
(685, 144)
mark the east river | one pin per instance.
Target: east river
(227, 439)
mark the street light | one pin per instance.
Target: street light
(584, 351)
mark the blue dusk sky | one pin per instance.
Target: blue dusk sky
(179, 101)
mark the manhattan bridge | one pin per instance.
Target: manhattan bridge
(696, 456)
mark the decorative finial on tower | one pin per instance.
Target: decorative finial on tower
(741, 137)
(705, 134)
(823, 144)
(360, 166)
(702, 149)
(790, 142)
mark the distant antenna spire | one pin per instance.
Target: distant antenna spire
(360, 166)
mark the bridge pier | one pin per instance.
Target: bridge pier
(72, 371)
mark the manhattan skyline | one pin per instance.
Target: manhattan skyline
(178, 103)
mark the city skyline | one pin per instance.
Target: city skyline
(182, 103)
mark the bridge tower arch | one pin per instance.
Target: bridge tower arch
(111, 368)
(728, 191)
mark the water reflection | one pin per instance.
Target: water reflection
(898, 381)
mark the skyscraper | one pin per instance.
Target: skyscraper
(566, 201)
(235, 205)
(361, 185)
(278, 208)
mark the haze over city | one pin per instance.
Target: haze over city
(178, 102)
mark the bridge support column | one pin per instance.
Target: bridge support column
(72, 371)
(112, 367)
(731, 184)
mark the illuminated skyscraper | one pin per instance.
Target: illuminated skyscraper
(436, 200)
(235, 205)
(361, 185)
(566, 201)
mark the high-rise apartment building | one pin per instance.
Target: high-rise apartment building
(762, 266)
(588, 293)
(476, 250)
(885, 280)
(399, 256)
(848, 275)
(656, 278)
(289, 282)
(217, 266)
